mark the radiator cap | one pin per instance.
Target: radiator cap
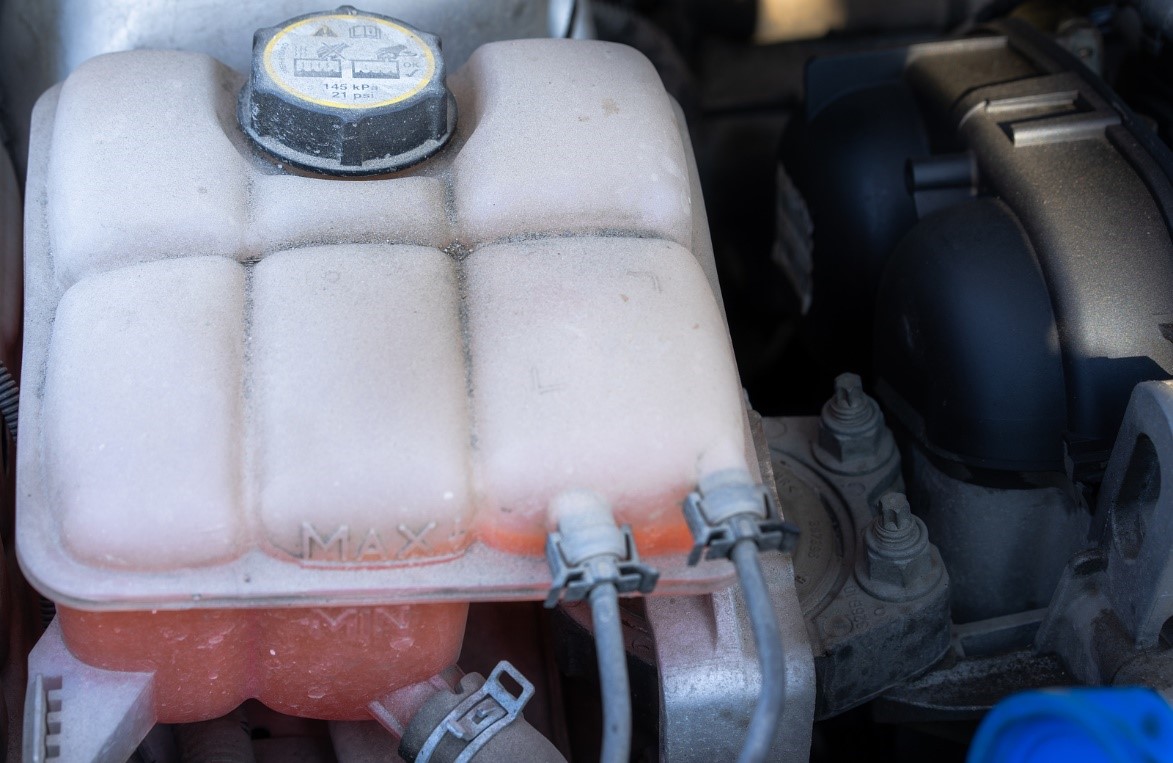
(346, 92)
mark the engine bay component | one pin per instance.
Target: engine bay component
(1009, 283)
(43, 41)
(1110, 618)
(380, 402)
(347, 93)
(869, 582)
(482, 719)
(710, 673)
(733, 518)
(192, 258)
(282, 429)
(696, 675)
(711, 677)
(592, 558)
(977, 218)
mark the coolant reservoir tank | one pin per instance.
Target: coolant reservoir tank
(347, 93)
(280, 428)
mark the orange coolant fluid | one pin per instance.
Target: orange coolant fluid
(278, 430)
(324, 662)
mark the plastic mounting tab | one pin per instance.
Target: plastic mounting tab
(481, 716)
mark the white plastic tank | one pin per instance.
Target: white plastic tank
(261, 406)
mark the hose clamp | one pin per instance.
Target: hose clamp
(573, 579)
(480, 716)
(732, 511)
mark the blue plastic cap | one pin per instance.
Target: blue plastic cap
(1117, 725)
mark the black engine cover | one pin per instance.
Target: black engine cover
(1035, 290)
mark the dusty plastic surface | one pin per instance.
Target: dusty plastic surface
(253, 389)
(270, 402)
(76, 711)
(43, 41)
(576, 153)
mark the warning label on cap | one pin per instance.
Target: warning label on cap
(349, 62)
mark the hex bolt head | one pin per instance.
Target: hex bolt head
(899, 560)
(852, 436)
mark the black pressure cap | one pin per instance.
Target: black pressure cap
(347, 93)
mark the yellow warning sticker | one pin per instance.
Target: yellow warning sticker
(349, 62)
